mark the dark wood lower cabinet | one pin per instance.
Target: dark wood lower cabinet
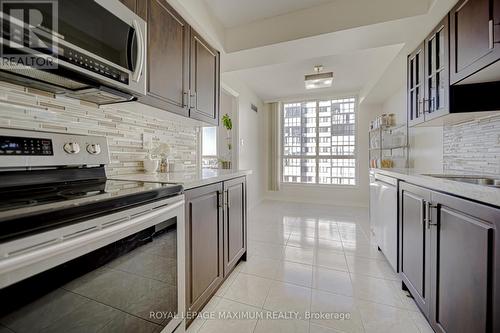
(216, 231)
(465, 266)
(415, 245)
(235, 242)
(204, 245)
(183, 70)
(450, 260)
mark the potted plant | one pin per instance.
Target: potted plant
(228, 125)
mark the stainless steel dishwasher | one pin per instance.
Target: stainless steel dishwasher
(384, 215)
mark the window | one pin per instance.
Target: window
(319, 142)
(209, 147)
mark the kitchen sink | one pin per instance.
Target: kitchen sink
(478, 180)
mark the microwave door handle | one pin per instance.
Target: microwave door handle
(140, 52)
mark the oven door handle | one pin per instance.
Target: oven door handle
(141, 54)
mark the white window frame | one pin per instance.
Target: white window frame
(318, 157)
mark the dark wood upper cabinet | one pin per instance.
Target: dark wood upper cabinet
(205, 63)
(464, 265)
(168, 58)
(415, 86)
(461, 68)
(474, 36)
(235, 241)
(183, 69)
(204, 244)
(437, 72)
(428, 77)
(131, 4)
(415, 244)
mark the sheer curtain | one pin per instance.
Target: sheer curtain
(274, 151)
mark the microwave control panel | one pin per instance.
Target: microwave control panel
(81, 60)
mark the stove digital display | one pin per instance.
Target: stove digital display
(11, 145)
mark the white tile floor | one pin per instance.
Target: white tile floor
(315, 259)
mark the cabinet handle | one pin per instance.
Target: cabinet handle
(424, 107)
(428, 214)
(185, 99)
(228, 202)
(220, 199)
(192, 97)
(490, 29)
(432, 106)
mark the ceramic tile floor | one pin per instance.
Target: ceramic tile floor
(318, 259)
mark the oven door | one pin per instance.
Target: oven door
(120, 273)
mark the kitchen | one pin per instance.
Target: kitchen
(226, 166)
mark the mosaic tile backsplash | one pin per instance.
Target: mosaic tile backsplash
(473, 147)
(25, 108)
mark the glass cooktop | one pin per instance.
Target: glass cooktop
(83, 191)
(30, 208)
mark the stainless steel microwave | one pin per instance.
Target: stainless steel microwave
(93, 50)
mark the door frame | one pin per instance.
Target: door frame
(236, 123)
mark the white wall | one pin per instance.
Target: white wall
(350, 196)
(228, 105)
(250, 142)
(426, 143)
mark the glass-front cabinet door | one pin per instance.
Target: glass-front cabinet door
(415, 86)
(437, 72)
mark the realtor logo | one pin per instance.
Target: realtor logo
(29, 34)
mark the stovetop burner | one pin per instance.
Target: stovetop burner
(29, 196)
(34, 208)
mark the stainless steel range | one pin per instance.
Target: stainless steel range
(79, 252)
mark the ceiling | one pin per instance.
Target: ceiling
(351, 72)
(232, 13)
(270, 45)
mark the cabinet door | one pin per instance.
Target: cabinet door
(168, 58)
(415, 246)
(204, 81)
(473, 41)
(415, 86)
(463, 279)
(235, 219)
(204, 244)
(437, 72)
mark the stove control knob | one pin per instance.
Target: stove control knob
(94, 149)
(72, 148)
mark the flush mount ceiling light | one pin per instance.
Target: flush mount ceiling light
(318, 80)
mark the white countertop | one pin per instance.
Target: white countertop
(480, 193)
(187, 179)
